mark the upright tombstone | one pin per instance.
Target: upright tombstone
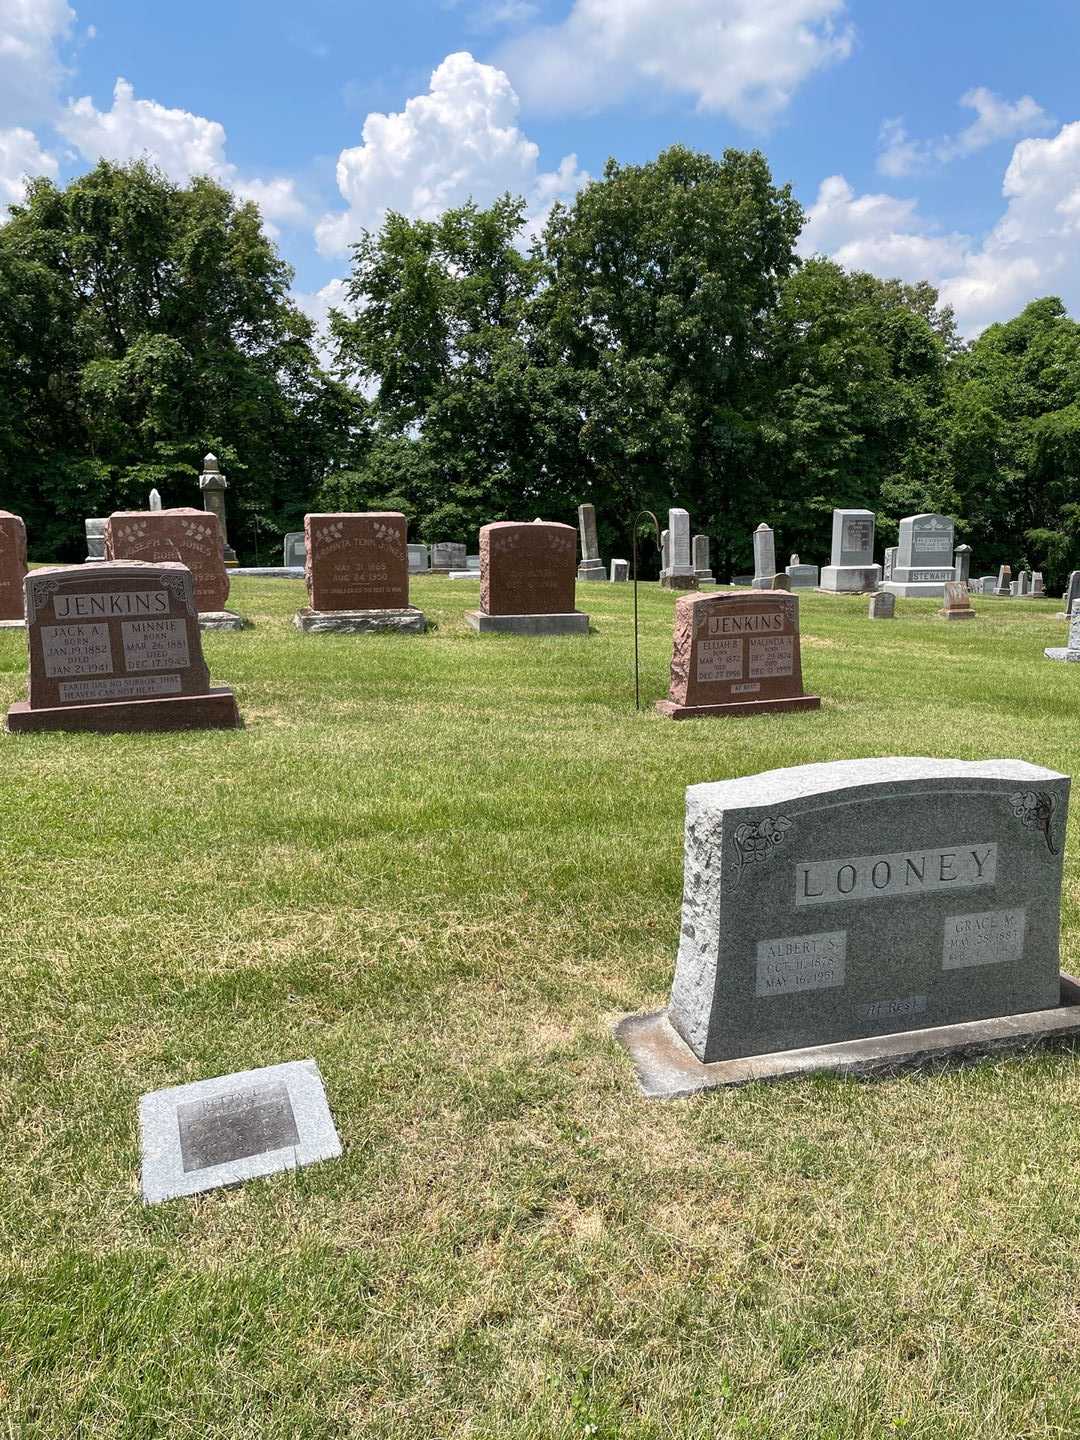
(890, 561)
(679, 572)
(958, 604)
(736, 654)
(188, 536)
(962, 563)
(802, 577)
(472, 562)
(924, 557)
(620, 571)
(95, 537)
(357, 575)
(115, 645)
(1004, 581)
(764, 558)
(213, 485)
(851, 569)
(12, 569)
(1023, 583)
(591, 567)
(527, 574)
(1071, 650)
(780, 582)
(702, 568)
(1072, 591)
(447, 555)
(882, 605)
(419, 558)
(1038, 586)
(829, 907)
(665, 551)
(294, 554)
(155, 501)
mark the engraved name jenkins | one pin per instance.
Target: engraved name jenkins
(909, 872)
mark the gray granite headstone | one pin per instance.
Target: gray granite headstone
(802, 577)
(1072, 590)
(591, 566)
(988, 584)
(418, 558)
(924, 557)
(472, 562)
(95, 537)
(665, 551)
(1023, 583)
(678, 571)
(764, 557)
(294, 552)
(232, 1128)
(1037, 585)
(890, 561)
(1004, 581)
(620, 571)
(448, 555)
(851, 568)
(962, 563)
(702, 567)
(1014, 587)
(1071, 650)
(864, 897)
(882, 605)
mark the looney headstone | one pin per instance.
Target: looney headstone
(882, 605)
(1004, 581)
(357, 575)
(679, 572)
(1072, 591)
(190, 537)
(962, 563)
(294, 553)
(764, 557)
(447, 555)
(620, 571)
(213, 485)
(12, 569)
(957, 601)
(233, 1128)
(116, 646)
(1071, 650)
(851, 568)
(95, 537)
(736, 654)
(924, 558)
(702, 568)
(527, 574)
(848, 901)
(591, 567)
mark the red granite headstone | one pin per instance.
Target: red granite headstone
(736, 654)
(117, 646)
(357, 561)
(527, 569)
(12, 565)
(185, 535)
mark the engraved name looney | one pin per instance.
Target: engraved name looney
(116, 602)
(909, 872)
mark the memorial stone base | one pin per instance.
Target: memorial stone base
(679, 582)
(408, 621)
(271, 572)
(851, 579)
(465, 575)
(673, 711)
(575, 623)
(1059, 652)
(12, 624)
(915, 590)
(221, 620)
(592, 570)
(213, 711)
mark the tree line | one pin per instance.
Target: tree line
(659, 342)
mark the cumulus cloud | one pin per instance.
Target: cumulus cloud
(995, 119)
(21, 157)
(178, 142)
(1032, 250)
(458, 141)
(31, 34)
(744, 58)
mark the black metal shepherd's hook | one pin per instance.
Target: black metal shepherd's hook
(637, 663)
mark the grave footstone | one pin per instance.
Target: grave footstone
(294, 554)
(1004, 581)
(591, 566)
(527, 574)
(95, 537)
(1071, 650)
(447, 555)
(851, 569)
(233, 1128)
(12, 569)
(924, 557)
(115, 645)
(764, 557)
(620, 571)
(679, 574)
(357, 575)
(736, 654)
(831, 909)
(962, 563)
(882, 605)
(957, 604)
(702, 568)
(190, 537)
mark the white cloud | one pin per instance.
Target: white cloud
(745, 58)
(459, 141)
(316, 305)
(995, 119)
(1032, 250)
(31, 32)
(178, 142)
(20, 157)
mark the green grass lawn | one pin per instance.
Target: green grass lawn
(442, 866)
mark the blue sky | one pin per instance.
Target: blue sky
(930, 141)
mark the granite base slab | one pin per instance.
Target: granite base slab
(213, 711)
(592, 570)
(408, 621)
(849, 579)
(915, 589)
(464, 575)
(575, 623)
(1059, 652)
(672, 711)
(667, 1069)
(12, 624)
(221, 620)
(958, 614)
(678, 582)
(270, 572)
